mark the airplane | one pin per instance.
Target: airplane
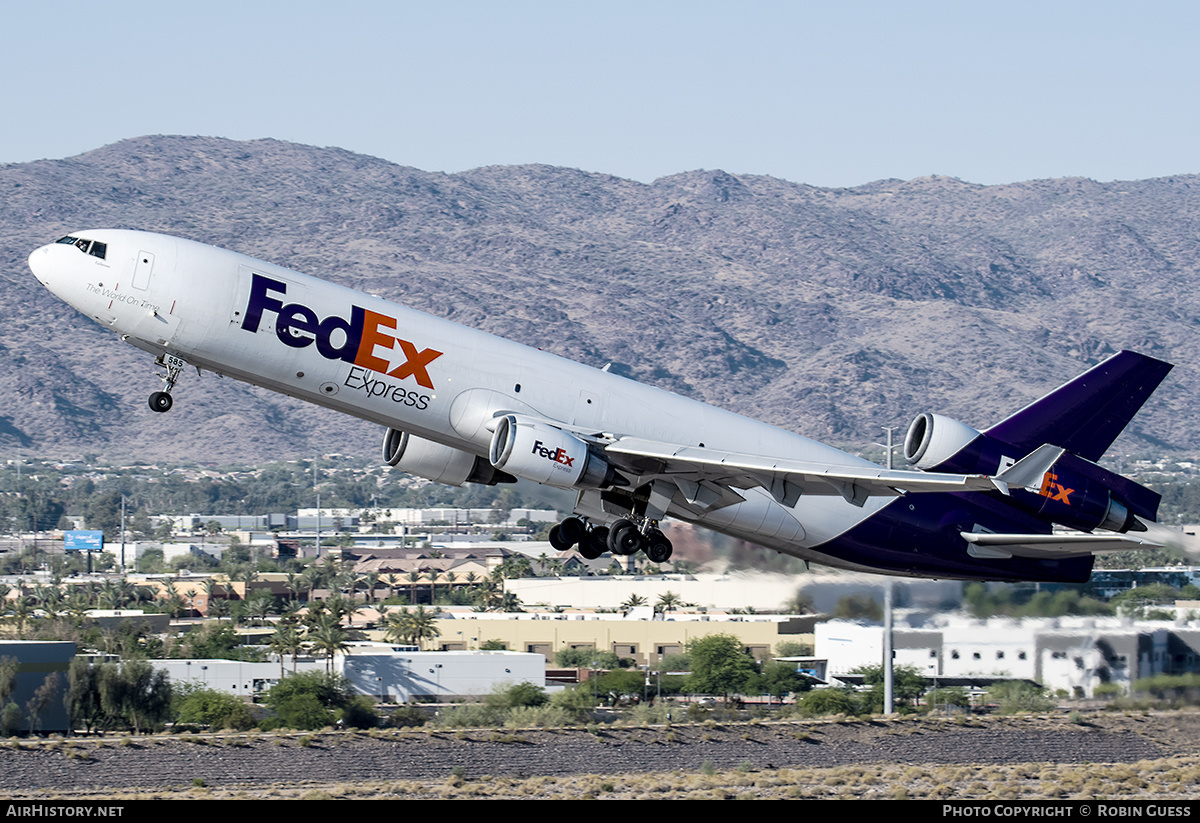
(1023, 500)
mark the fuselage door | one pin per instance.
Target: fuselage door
(587, 409)
(142, 269)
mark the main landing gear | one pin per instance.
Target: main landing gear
(624, 538)
(161, 401)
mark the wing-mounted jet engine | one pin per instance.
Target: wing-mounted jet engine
(441, 464)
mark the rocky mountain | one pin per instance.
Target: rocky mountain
(830, 312)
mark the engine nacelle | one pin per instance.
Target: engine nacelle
(545, 454)
(932, 439)
(1078, 494)
(441, 464)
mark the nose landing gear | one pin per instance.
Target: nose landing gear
(161, 401)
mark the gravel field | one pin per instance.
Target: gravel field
(253, 763)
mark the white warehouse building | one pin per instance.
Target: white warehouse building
(1075, 654)
(378, 670)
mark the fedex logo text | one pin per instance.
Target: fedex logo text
(1054, 490)
(557, 455)
(366, 338)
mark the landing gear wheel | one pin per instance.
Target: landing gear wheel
(572, 530)
(658, 549)
(624, 539)
(556, 539)
(594, 544)
(160, 401)
(566, 534)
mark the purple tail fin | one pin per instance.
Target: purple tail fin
(1085, 415)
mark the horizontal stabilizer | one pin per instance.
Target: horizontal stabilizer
(1064, 544)
(1027, 472)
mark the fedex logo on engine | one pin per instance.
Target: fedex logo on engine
(364, 339)
(558, 455)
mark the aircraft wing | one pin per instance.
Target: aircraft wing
(692, 466)
(1057, 545)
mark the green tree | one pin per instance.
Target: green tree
(780, 679)
(720, 665)
(793, 648)
(45, 694)
(1016, 696)
(103, 513)
(83, 694)
(585, 657)
(1134, 601)
(620, 684)
(133, 693)
(203, 706)
(907, 685)
(312, 700)
(512, 695)
(829, 701)
(858, 607)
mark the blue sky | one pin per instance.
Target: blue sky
(830, 93)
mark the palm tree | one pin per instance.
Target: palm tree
(310, 577)
(633, 601)
(22, 610)
(372, 581)
(667, 601)
(294, 584)
(329, 638)
(423, 626)
(172, 603)
(286, 640)
(397, 624)
(260, 605)
(412, 628)
(433, 576)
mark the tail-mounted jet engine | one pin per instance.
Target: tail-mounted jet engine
(545, 454)
(933, 439)
(442, 464)
(1075, 493)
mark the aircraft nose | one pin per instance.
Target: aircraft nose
(39, 264)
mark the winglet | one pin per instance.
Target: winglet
(1029, 470)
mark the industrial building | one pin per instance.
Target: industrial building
(1072, 654)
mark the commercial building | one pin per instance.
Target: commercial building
(1072, 654)
(40, 683)
(380, 670)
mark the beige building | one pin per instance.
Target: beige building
(636, 636)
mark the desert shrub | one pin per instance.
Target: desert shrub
(828, 701)
(216, 709)
(1017, 696)
(468, 715)
(524, 717)
(408, 716)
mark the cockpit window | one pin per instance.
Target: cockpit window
(93, 247)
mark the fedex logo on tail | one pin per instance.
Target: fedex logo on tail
(365, 339)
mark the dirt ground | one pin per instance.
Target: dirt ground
(1093, 755)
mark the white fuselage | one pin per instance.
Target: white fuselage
(403, 369)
